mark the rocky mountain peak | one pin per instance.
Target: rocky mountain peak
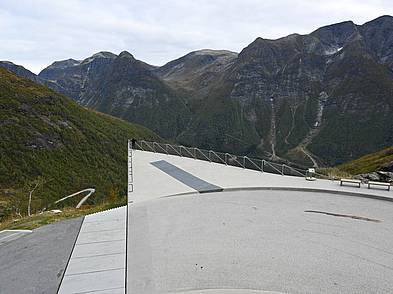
(379, 38)
(7, 62)
(126, 54)
(335, 35)
(213, 52)
(62, 64)
(104, 54)
(382, 20)
(197, 69)
(99, 56)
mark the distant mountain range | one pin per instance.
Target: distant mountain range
(317, 99)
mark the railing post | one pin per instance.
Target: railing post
(180, 152)
(226, 155)
(263, 165)
(282, 169)
(244, 161)
(195, 153)
(210, 159)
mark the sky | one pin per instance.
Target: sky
(34, 33)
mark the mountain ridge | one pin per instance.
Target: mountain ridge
(280, 99)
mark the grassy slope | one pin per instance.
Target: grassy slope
(38, 220)
(44, 134)
(368, 163)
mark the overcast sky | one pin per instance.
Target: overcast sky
(34, 33)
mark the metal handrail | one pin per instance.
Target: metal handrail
(272, 166)
(199, 150)
(229, 159)
(234, 158)
(185, 148)
(295, 170)
(157, 144)
(173, 148)
(211, 151)
(89, 190)
(257, 166)
(147, 143)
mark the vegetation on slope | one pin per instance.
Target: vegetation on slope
(369, 163)
(41, 219)
(49, 141)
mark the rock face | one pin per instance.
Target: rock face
(388, 167)
(124, 87)
(317, 99)
(379, 176)
(24, 73)
(197, 70)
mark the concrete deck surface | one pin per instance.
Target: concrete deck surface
(151, 183)
(261, 240)
(242, 240)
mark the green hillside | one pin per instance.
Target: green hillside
(48, 139)
(368, 163)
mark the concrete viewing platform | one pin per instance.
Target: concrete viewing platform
(196, 227)
(254, 232)
(150, 182)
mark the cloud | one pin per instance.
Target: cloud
(35, 33)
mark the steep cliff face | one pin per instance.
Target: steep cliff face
(378, 38)
(268, 99)
(196, 71)
(358, 117)
(313, 99)
(124, 87)
(76, 77)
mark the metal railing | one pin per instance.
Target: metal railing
(220, 157)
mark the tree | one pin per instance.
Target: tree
(32, 186)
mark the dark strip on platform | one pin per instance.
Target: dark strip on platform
(186, 178)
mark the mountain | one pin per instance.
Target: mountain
(25, 73)
(124, 87)
(318, 99)
(21, 71)
(195, 71)
(45, 135)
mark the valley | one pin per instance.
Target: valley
(318, 100)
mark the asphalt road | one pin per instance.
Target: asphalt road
(35, 263)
